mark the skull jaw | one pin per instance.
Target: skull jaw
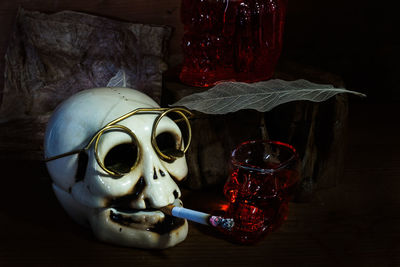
(112, 232)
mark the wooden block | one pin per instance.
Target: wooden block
(316, 130)
(214, 137)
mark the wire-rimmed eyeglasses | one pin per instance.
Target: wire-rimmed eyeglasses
(168, 156)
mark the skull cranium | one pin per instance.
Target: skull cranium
(116, 179)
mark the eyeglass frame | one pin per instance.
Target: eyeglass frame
(113, 125)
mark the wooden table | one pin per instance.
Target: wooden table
(355, 223)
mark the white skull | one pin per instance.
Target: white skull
(124, 209)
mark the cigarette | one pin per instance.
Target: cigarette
(199, 217)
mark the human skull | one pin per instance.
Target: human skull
(120, 207)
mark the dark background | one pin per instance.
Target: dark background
(355, 223)
(359, 40)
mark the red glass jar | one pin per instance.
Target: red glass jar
(235, 40)
(262, 181)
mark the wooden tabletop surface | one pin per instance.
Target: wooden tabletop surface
(355, 223)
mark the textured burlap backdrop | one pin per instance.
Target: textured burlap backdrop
(51, 57)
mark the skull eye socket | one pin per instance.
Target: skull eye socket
(121, 158)
(171, 153)
(169, 144)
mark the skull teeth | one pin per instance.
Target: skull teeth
(144, 218)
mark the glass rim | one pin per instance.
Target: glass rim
(282, 165)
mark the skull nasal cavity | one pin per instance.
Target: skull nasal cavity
(176, 194)
(139, 187)
(155, 177)
(126, 201)
(121, 158)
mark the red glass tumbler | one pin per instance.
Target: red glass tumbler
(263, 178)
(235, 40)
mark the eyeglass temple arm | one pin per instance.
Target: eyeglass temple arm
(109, 124)
(64, 155)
